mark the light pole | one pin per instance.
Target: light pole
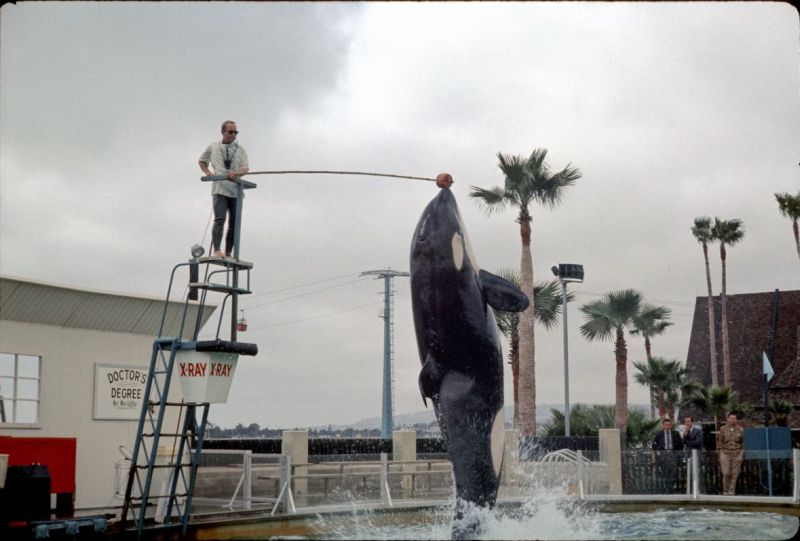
(567, 272)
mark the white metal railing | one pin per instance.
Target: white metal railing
(565, 455)
(243, 480)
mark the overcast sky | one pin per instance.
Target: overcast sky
(671, 111)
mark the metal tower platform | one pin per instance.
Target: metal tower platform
(166, 497)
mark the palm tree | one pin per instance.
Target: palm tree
(702, 232)
(789, 206)
(780, 410)
(653, 375)
(714, 401)
(728, 233)
(587, 421)
(651, 321)
(679, 388)
(607, 319)
(547, 307)
(527, 181)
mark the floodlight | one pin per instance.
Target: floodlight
(569, 272)
(197, 250)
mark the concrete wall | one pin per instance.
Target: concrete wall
(67, 395)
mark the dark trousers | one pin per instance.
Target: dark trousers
(223, 205)
(667, 463)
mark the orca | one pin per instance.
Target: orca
(459, 348)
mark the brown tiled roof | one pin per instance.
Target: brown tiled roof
(750, 319)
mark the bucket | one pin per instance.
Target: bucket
(205, 376)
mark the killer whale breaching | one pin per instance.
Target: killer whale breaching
(459, 347)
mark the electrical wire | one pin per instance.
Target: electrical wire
(251, 307)
(284, 323)
(301, 285)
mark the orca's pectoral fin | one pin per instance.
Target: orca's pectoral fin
(430, 379)
(502, 294)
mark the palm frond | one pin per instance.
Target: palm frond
(789, 205)
(598, 324)
(702, 230)
(547, 303)
(536, 164)
(728, 232)
(489, 200)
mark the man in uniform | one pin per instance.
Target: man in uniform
(731, 453)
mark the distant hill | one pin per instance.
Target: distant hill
(427, 416)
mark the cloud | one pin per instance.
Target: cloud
(671, 111)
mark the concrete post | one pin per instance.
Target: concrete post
(611, 454)
(295, 444)
(796, 464)
(404, 448)
(404, 445)
(247, 489)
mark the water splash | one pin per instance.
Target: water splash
(547, 513)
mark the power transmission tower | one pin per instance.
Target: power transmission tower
(387, 423)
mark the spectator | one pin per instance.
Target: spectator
(692, 435)
(666, 442)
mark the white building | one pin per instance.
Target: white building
(73, 364)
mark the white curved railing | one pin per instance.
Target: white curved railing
(565, 455)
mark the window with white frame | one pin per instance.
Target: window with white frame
(20, 384)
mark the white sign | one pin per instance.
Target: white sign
(118, 391)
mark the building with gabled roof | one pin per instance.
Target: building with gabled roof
(758, 323)
(72, 364)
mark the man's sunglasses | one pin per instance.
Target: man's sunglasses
(229, 132)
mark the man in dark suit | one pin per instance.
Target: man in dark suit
(666, 445)
(692, 435)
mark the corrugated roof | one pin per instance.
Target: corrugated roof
(49, 304)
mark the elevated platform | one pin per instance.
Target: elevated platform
(220, 288)
(227, 262)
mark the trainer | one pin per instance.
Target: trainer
(226, 157)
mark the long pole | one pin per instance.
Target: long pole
(566, 358)
(322, 172)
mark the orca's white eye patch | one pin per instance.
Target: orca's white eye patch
(458, 251)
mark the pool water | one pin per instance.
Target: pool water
(552, 518)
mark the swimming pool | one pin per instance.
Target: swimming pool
(553, 518)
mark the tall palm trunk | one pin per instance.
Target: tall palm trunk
(712, 331)
(621, 407)
(662, 408)
(513, 355)
(654, 393)
(726, 353)
(653, 399)
(527, 371)
(796, 231)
